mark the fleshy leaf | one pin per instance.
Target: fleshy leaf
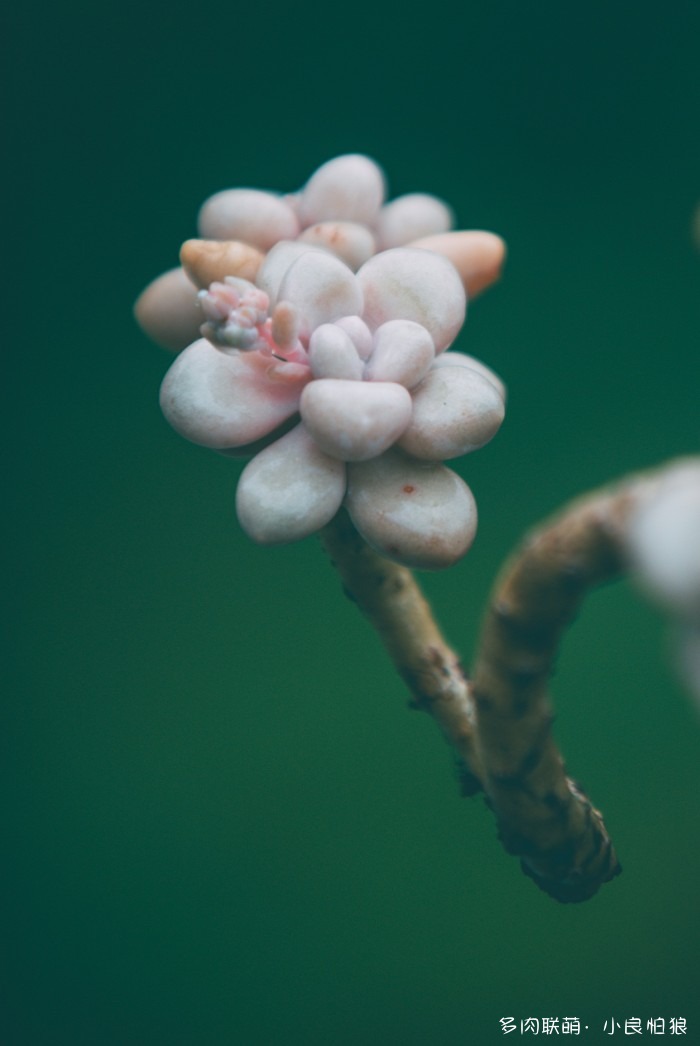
(289, 490)
(411, 284)
(422, 515)
(223, 400)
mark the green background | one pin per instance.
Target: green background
(221, 824)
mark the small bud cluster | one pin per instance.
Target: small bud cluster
(664, 548)
(325, 319)
(234, 311)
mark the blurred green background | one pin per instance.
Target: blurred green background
(221, 824)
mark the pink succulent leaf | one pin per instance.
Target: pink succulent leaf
(455, 410)
(403, 352)
(478, 256)
(221, 400)
(410, 217)
(407, 283)
(355, 420)
(461, 359)
(255, 217)
(168, 311)
(417, 513)
(347, 188)
(332, 353)
(322, 288)
(286, 324)
(289, 490)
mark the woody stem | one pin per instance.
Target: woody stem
(389, 596)
(500, 722)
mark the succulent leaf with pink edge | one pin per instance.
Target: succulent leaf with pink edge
(335, 381)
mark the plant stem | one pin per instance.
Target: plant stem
(500, 723)
(543, 816)
(389, 596)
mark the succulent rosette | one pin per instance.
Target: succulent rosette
(325, 319)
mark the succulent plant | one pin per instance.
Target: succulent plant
(325, 319)
(317, 332)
